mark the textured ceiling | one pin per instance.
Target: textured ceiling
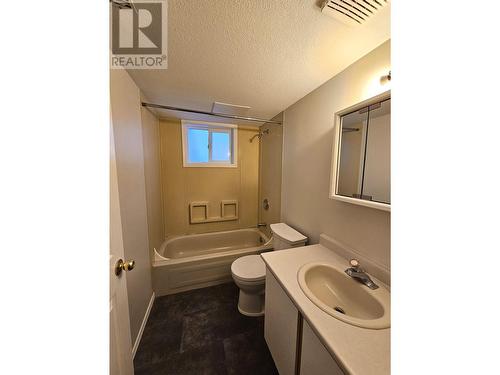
(260, 53)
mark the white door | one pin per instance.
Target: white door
(120, 340)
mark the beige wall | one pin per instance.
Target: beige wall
(270, 173)
(152, 173)
(308, 138)
(183, 185)
(126, 120)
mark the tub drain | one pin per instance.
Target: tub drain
(339, 309)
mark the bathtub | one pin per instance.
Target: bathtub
(200, 260)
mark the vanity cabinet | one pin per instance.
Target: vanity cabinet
(295, 348)
(280, 326)
(314, 358)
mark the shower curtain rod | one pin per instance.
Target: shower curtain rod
(234, 117)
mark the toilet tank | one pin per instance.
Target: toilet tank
(285, 237)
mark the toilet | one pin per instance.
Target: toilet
(249, 272)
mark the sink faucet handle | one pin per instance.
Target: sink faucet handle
(354, 263)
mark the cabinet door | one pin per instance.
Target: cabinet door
(315, 359)
(280, 326)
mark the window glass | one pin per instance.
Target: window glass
(220, 146)
(197, 145)
(209, 144)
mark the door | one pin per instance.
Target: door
(120, 341)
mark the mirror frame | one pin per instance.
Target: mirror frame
(337, 132)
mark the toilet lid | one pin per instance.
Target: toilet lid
(250, 267)
(288, 234)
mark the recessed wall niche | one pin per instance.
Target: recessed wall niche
(198, 212)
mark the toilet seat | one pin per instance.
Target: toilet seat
(249, 268)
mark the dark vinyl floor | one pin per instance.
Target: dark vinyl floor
(201, 332)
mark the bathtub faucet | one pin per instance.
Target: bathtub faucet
(261, 225)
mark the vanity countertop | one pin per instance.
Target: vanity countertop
(358, 351)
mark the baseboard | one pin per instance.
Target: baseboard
(143, 325)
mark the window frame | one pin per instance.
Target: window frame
(211, 127)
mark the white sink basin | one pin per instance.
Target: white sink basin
(344, 298)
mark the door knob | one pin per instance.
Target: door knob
(123, 266)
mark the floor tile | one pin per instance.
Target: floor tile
(247, 353)
(202, 332)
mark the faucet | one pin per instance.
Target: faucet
(261, 225)
(356, 272)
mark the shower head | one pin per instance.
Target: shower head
(259, 135)
(256, 135)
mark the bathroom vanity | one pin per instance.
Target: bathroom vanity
(302, 337)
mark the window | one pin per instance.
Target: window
(208, 144)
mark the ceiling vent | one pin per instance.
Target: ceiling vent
(352, 12)
(230, 109)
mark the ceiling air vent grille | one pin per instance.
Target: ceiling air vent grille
(352, 12)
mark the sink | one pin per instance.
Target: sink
(344, 298)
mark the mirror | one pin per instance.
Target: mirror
(361, 168)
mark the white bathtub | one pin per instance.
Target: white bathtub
(199, 260)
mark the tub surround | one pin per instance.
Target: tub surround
(270, 157)
(357, 350)
(152, 177)
(182, 186)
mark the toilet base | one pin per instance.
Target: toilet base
(251, 304)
